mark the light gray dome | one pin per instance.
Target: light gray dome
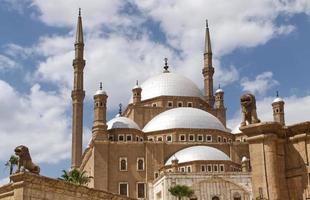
(100, 92)
(122, 122)
(184, 117)
(278, 99)
(198, 153)
(168, 84)
(220, 90)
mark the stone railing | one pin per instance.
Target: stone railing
(26, 186)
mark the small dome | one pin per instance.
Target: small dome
(184, 117)
(168, 84)
(198, 153)
(220, 90)
(136, 86)
(122, 122)
(244, 159)
(100, 92)
(278, 99)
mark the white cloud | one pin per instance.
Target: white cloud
(260, 85)
(37, 120)
(4, 181)
(115, 61)
(295, 109)
(7, 63)
(16, 51)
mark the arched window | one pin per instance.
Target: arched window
(140, 164)
(170, 104)
(237, 196)
(180, 104)
(215, 198)
(123, 164)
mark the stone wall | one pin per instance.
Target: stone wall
(26, 186)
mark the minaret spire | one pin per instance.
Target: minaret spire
(79, 30)
(77, 96)
(208, 48)
(208, 69)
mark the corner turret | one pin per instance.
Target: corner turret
(278, 110)
(100, 109)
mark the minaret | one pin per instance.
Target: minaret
(278, 110)
(100, 111)
(219, 105)
(208, 69)
(136, 93)
(77, 96)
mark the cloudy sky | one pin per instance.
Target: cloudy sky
(259, 46)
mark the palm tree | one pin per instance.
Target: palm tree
(180, 191)
(76, 177)
(11, 163)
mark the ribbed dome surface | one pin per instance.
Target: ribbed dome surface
(122, 122)
(184, 117)
(198, 153)
(168, 84)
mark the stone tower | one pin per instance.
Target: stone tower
(278, 110)
(77, 96)
(219, 106)
(208, 69)
(136, 93)
(100, 109)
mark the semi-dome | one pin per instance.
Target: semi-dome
(195, 153)
(184, 117)
(168, 84)
(122, 122)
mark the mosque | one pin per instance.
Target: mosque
(171, 133)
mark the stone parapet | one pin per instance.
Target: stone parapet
(26, 186)
(263, 128)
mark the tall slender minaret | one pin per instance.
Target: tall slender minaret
(208, 69)
(77, 96)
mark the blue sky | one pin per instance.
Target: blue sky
(259, 46)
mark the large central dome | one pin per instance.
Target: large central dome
(184, 117)
(168, 84)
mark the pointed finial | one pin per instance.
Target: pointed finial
(120, 108)
(208, 48)
(219, 86)
(79, 30)
(137, 82)
(100, 85)
(166, 65)
(277, 93)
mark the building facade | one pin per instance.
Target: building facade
(171, 133)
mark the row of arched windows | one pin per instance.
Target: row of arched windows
(123, 164)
